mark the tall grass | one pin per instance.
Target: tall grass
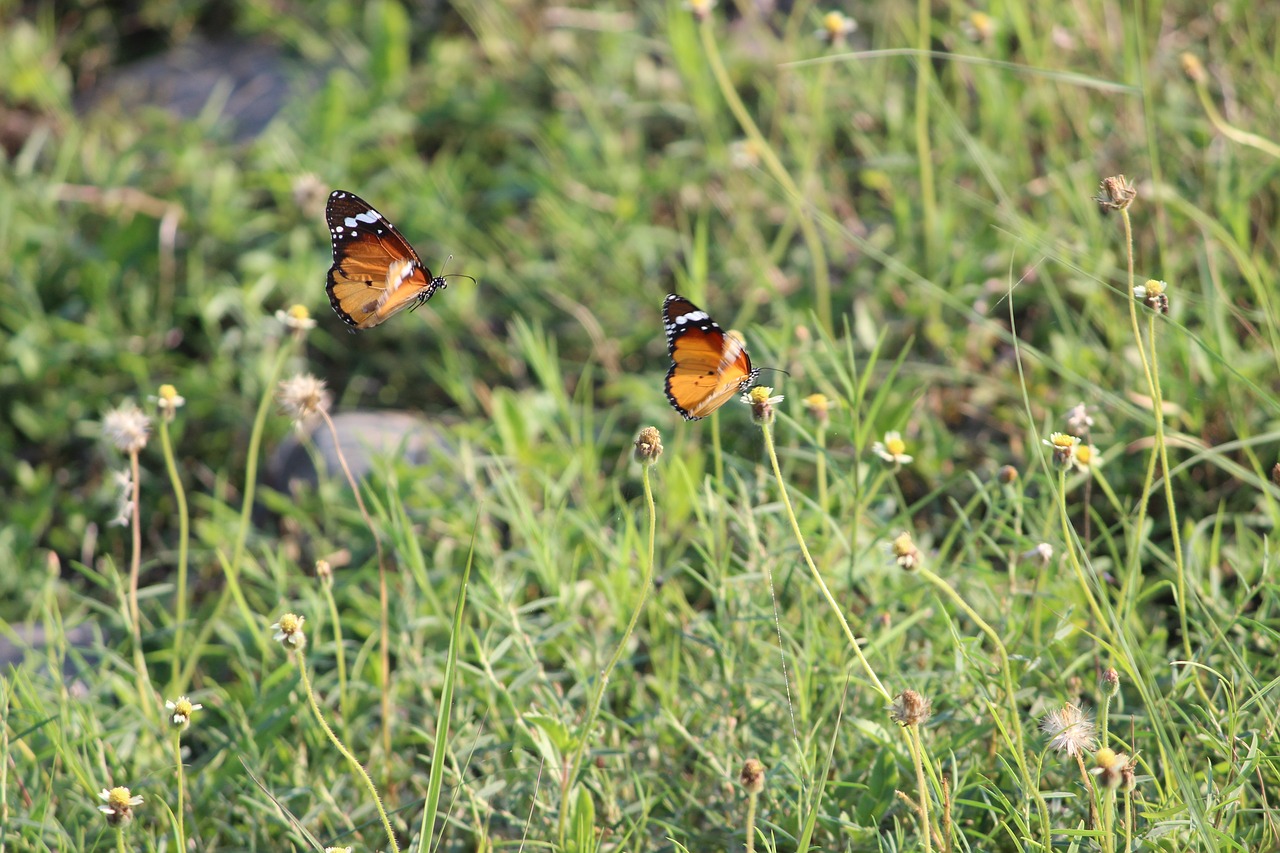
(930, 601)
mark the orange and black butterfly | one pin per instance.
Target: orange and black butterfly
(708, 365)
(376, 273)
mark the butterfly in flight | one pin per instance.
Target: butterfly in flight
(376, 273)
(708, 365)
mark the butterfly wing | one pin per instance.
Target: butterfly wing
(708, 366)
(375, 272)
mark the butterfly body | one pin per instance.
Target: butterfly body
(376, 273)
(708, 365)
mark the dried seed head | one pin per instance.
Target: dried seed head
(752, 776)
(1115, 193)
(1069, 729)
(909, 708)
(302, 397)
(126, 427)
(648, 446)
(1007, 474)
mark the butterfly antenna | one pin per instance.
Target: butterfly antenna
(774, 370)
(454, 274)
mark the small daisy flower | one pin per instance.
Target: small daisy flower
(909, 708)
(1109, 767)
(288, 631)
(126, 427)
(836, 28)
(168, 401)
(1064, 448)
(1193, 68)
(904, 551)
(1070, 730)
(1115, 193)
(1078, 419)
(761, 400)
(181, 711)
(701, 9)
(119, 806)
(979, 26)
(1086, 458)
(297, 320)
(1042, 554)
(744, 154)
(818, 407)
(1154, 294)
(648, 446)
(893, 449)
(303, 397)
(752, 776)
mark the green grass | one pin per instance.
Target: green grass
(913, 235)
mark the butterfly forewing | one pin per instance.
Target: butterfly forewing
(708, 366)
(375, 272)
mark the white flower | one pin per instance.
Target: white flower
(892, 449)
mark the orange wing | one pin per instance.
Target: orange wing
(708, 366)
(375, 272)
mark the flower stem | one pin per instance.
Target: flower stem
(182, 790)
(176, 687)
(813, 569)
(232, 568)
(135, 615)
(384, 618)
(333, 738)
(584, 736)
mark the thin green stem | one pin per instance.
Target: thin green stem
(135, 614)
(340, 654)
(752, 796)
(182, 789)
(334, 739)
(924, 150)
(584, 735)
(1162, 448)
(1069, 545)
(1010, 688)
(384, 612)
(813, 569)
(232, 569)
(917, 750)
(822, 468)
(812, 239)
(176, 686)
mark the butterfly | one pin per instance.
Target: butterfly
(708, 365)
(376, 273)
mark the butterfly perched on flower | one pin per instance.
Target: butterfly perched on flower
(708, 365)
(376, 273)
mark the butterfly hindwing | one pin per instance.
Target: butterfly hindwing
(375, 272)
(708, 365)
